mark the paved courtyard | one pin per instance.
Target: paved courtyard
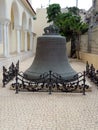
(41, 111)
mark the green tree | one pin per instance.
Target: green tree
(52, 11)
(70, 26)
(74, 10)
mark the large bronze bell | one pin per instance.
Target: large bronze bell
(50, 55)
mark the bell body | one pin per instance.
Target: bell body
(51, 55)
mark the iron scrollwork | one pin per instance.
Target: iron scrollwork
(92, 73)
(50, 82)
(10, 73)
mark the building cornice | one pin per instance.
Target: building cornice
(28, 6)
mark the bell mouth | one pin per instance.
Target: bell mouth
(35, 76)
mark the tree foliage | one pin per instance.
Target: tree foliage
(52, 12)
(74, 10)
(69, 23)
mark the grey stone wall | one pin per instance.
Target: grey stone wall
(84, 43)
(89, 41)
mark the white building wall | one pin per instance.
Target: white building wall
(12, 29)
(41, 21)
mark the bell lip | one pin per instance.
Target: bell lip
(36, 76)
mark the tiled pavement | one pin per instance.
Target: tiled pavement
(41, 111)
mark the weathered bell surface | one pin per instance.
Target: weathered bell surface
(51, 55)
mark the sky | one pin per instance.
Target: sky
(82, 4)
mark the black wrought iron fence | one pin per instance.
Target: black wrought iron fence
(92, 73)
(51, 82)
(48, 81)
(10, 73)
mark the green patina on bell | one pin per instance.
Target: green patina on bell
(51, 55)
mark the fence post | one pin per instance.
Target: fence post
(84, 73)
(16, 71)
(50, 81)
